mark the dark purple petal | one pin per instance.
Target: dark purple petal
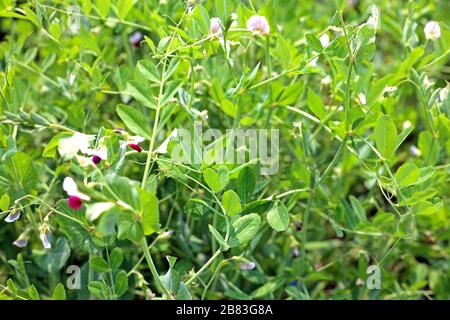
(74, 202)
(96, 159)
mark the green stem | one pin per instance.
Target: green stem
(153, 270)
(205, 266)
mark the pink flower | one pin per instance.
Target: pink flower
(74, 202)
(432, 30)
(75, 196)
(132, 141)
(215, 26)
(258, 25)
(136, 147)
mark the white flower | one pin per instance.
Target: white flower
(44, 232)
(247, 266)
(324, 40)
(69, 147)
(215, 26)
(362, 98)
(389, 89)
(234, 19)
(415, 151)
(427, 82)
(443, 93)
(432, 30)
(258, 25)
(71, 188)
(100, 153)
(95, 210)
(326, 81)
(407, 124)
(163, 147)
(374, 19)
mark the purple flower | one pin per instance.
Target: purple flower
(13, 216)
(247, 266)
(135, 39)
(21, 243)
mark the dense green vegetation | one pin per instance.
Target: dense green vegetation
(95, 97)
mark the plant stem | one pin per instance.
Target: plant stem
(205, 266)
(153, 270)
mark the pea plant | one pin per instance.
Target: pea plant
(194, 149)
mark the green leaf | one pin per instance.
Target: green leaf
(59, 293)
(229, 108)
(18, 175)
(33, 293)
(378, 87)
(52, 146)
(406, 226)
(32, 17)
(121, 283)
(218, 179)
(124, 189)
(202, 17)
(116, 258)
(278, 216)
(149, 71)
(358, 208)
(103, 7)
(98, 264)
(231, 203)
(195, 207)
(223, 245)
(407, 174)
(244, 229)
(129, 228)
(267, 288)
(150, 212)
(386, 136)
(134, 120)
(315, 104)
(98, 289)
(314, 42)
(76, 115)
(54, 259)
(223, 10)
(142, 94)
(170, 91)
(429, 147)
(245, 184)
(4, 202)
(183, 293)
(123, 8)
(12, 287)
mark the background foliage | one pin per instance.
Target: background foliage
(363, 174)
